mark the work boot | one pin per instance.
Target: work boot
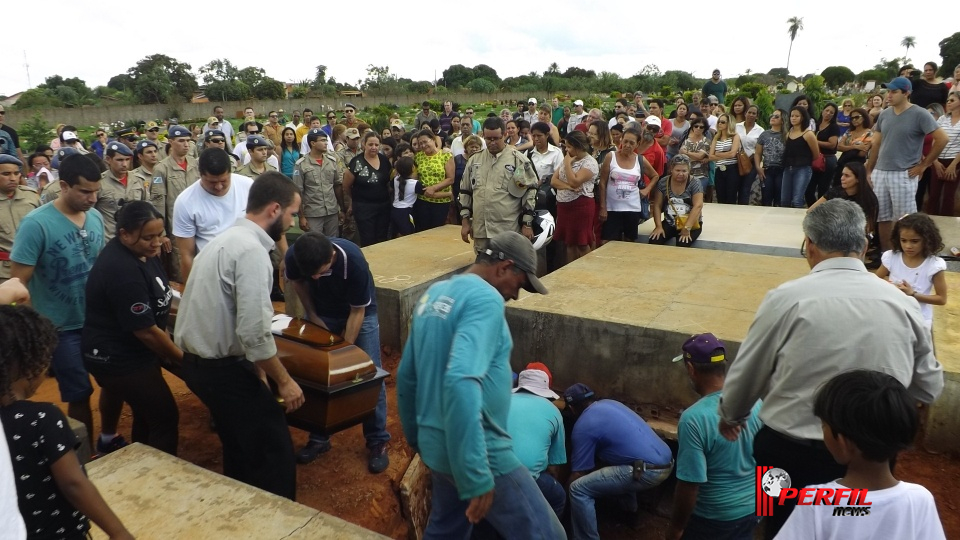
(378, 461)
(312, 450)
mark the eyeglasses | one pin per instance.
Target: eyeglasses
(348, 110)
(331, 118)
(3, 112)
(803, 248)
(721, 122)
(468, 112)
(698, 126)
(154, 130)
(217, 140)
(857, 117)
(253, 132)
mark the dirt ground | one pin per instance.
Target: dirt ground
(338, 482)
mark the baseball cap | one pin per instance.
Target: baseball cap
(578, 102)
(653, 121)
(396, 123)
(535, 382)
(142, 145)
(577, 393)
(703, 349)
(214, 133)
(532, 100)
(353, 133)
(514, 246)
(175, 131)
(212, 120)
(542, 367)
(69, 136)
(899, 83)
(316, 133)
(120, 148)
(152, 125)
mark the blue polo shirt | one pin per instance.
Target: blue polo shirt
(725, 470)
(610, 432)
(347, 284)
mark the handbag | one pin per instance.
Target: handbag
(680, 221)
(820, 163)
(744, 163)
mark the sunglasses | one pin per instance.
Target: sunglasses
(468, 112)
(857, 117)
(253, 132)
(348, 111)
(217, 140)
(698, 126)
(131, 138)
(331, 118)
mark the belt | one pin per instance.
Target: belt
(4, 255)
(643, 465)
(190, 358)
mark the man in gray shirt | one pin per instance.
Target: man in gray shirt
(223, 327)
(895, 163)
(837, 318)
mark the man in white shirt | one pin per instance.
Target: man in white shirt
(224, 126)
(576, 116)
(209, 207)
(530, 115)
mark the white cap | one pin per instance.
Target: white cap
(578, 102)
(532, 100)
(653, 121)
(536, 382)
(69, 136)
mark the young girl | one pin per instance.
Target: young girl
(405, 190)
(913, 265)
(55, 496)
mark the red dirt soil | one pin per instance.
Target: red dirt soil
(338, 482)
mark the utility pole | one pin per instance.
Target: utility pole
(27, 67)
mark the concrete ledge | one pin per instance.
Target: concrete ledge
(404, 268)
(942, 432)
(764, 230)
(159, 496)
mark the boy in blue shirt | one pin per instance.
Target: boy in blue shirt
(715, 494)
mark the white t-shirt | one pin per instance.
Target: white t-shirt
(11, 524)
(920, 278)
(623, 187)
(409, 195)
(903, 511)
(202, 216)
(271, 160)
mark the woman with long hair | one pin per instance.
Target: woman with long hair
(515, 138)
(574, 183)
(843, 116)
(943, 182)
(680, 127)
(125, 339)
(854, 187)
(696, 147)
(929, 88)
(602, 145)
(854, 145)
(677, 206)
(723, 152)
(367, 181)
(739, 108)
(622, 189)
(768, 159)
(436, 169)
(799, 151)
(288, 152)
(803, 101)
(749, 131)
(827, 134)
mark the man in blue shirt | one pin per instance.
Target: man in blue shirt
(715, 494)
(453, 392)
(334, 283)
(633, 457)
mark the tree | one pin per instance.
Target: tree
(796, 25)
(456, 76)
(174, 79)
(321, 77)
(269, 88)
(553, 69)
(120, 82)
(837, 76)
(482, 86)
(779, 73)
(574, 72)
(218, 70)
(380, 79)
(483, 71)
(950, 53)
(908, 42)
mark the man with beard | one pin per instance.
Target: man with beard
(715, 87)
(228, 354)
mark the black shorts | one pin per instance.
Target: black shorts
(621, 226)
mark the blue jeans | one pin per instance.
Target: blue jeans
(606, 482)
(553, 492)
(746, 186)
(701, 528)
(795, 180)
(374, 427)
(772, 186)
(518, 511)
(68, 368)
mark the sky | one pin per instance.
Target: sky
(513, 37)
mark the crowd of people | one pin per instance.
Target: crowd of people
(95, 234)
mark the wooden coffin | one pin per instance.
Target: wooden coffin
(340, 383)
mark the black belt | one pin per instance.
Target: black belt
(645, 466)
(190, 358)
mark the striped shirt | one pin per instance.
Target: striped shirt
(953, 137)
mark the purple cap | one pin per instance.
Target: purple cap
(703, 349)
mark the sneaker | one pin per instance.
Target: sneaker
(276, 295)
(312, 450)
(115, 444)
(378, 460)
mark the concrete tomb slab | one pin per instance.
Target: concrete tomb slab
(159, 496)
(615, 318)
(405, 267)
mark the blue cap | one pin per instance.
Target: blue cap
(177, 131)
(119, 148)
(61, 154)
(577, 393)
(316, 133)
(899, 83)
(214, 133)
(142, 145)
(7, 159)
(254, 141)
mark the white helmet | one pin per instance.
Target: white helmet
(543, 227)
